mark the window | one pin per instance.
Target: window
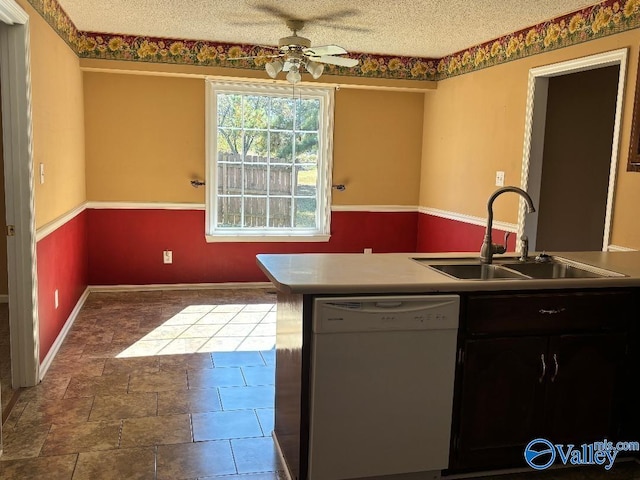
(269, 162)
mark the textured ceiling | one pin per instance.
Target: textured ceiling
(414, 28)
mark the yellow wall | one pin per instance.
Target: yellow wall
(145, 138)
(474, 125)
(58, 124)
(377, 147)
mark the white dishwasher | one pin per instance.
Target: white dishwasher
(382, 372)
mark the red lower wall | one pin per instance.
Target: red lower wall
(62, 264)
(125, 246)
(437, 234)
(121, 246)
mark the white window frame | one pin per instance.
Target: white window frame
(325, 163)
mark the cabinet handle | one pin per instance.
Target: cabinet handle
(557, 367)
(544, 368)
(551, 311)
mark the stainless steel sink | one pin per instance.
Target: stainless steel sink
(557, 269)
(509, 268)
(478, 271)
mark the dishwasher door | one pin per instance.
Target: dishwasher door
(382, 374)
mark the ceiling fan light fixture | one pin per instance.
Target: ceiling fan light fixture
(273, 68)
(294, 75)
(315, 69)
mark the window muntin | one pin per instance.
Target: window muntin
(269, 157)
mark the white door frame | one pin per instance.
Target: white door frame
(15, 84)
(535, 118)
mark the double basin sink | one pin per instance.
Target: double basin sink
(511, 268)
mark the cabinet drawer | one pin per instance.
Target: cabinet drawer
(548, 312)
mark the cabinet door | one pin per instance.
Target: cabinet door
(502, 393)
(584, 387)
(631, 412)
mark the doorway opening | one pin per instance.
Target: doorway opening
(571, 146)
(8, 394)
(15, 96)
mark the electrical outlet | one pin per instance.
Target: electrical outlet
(368, 250)
(499, 179)
(167, 256)
(55, 298)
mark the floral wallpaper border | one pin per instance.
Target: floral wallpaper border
(606, 18)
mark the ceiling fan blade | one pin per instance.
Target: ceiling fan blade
(324, 50)
(253, 23)
(272, 10)
(347, 28)
(329, 17)
(339, 61)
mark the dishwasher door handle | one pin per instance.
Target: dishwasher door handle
(400, 306)
(388, 304)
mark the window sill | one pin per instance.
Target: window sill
(245, 238)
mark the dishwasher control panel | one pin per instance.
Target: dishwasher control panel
(387, 313)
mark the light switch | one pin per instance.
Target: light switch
(167, 256)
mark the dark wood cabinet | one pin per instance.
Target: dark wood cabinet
(538, 365)
(501, 392)
(584, 392)
(631, 423)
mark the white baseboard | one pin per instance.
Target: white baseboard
(283, 462)
(178, 286)
(46, 362)
(4, 298)
(618, 248)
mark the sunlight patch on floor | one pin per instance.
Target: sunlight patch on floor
(210, 328)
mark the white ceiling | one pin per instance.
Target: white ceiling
(416, 28)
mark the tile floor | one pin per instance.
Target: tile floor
(126, 398)
(153, 385)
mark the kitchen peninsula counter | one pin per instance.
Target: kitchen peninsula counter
(518, 319)
(400, 273)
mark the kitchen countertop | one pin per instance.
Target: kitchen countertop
(328, 273)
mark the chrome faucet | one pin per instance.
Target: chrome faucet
(488, 247)
(524, 248)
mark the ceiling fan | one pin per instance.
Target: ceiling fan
(296, 52)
